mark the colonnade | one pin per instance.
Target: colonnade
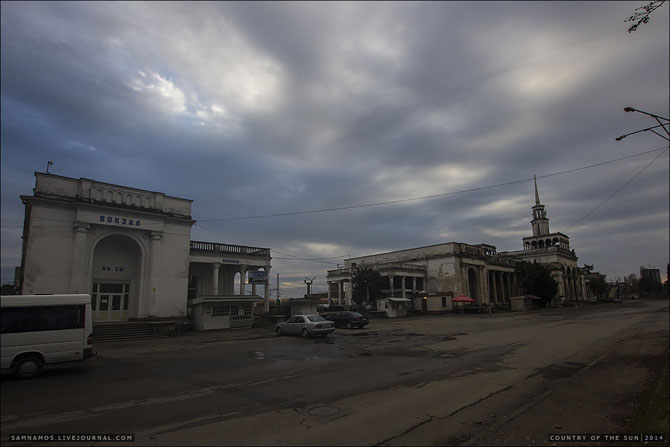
(242, 282)
(502, 286)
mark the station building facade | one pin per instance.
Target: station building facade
(430, 276)
(129, 248)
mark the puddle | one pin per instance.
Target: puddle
(558, 372)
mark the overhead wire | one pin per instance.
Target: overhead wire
(617, 191)
(481, 188)
(432, 196)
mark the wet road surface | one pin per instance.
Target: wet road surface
(376, 385)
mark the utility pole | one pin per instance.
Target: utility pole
(277, 285)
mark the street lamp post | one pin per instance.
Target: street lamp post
(662, 122)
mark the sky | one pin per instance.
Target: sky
(255, 109)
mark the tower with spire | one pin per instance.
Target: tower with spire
(540, 221)
(542, 237)
(553, 251)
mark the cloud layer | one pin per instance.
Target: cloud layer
(264, 108)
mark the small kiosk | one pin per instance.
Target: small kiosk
(394, 307)
(221, 312)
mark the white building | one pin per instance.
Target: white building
(434, 274)
(130, 248)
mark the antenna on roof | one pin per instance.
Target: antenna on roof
(49, 163)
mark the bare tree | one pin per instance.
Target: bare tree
(642, 13)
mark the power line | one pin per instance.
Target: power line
(432, 196)
(617, 191)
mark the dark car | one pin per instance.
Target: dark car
(349, 319)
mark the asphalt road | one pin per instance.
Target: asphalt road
(436, 380)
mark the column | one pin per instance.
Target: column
(494, 289)
(328, 283)
(266, 292)
(403, 286)
(391, 282)
(79, 268)
(340, 284)
(506, 287)
(156, 237)
(253, 289)
(483, 291)
(243, 280)
(413, 286)
(215, 278)
(501, 287)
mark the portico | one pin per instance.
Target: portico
(222, 270)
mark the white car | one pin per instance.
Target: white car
(305, 325)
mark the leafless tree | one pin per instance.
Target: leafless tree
(642, 13)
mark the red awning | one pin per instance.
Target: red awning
(462, 299)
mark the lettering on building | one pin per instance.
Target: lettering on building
(119, 221)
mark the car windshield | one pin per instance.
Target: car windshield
(356, 314)
(315, 318)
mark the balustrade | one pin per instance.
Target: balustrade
(214, 247)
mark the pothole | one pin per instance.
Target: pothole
(323, 410)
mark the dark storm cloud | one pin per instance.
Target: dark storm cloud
(253, 108)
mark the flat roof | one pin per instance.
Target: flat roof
(44, 300)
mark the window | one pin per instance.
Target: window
(444, 301)
(247, 310)
(119, 300)
(112, 288)
(42, 318)
(221, 311)
(116, 302)
(192, 287)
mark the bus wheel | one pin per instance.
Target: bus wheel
(28, 367)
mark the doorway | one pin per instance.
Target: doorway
(110, 302)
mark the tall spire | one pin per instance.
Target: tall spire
(540, 222)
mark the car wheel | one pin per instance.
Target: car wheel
(350, 326)
(278, 331)
(28, 367)
(305, 333)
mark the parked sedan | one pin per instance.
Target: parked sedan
(305, 325)
(349, 319)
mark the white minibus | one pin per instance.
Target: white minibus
(43, 329)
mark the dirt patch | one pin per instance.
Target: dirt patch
(624, 392)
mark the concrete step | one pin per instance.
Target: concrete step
(111, 339)
(123, 331)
